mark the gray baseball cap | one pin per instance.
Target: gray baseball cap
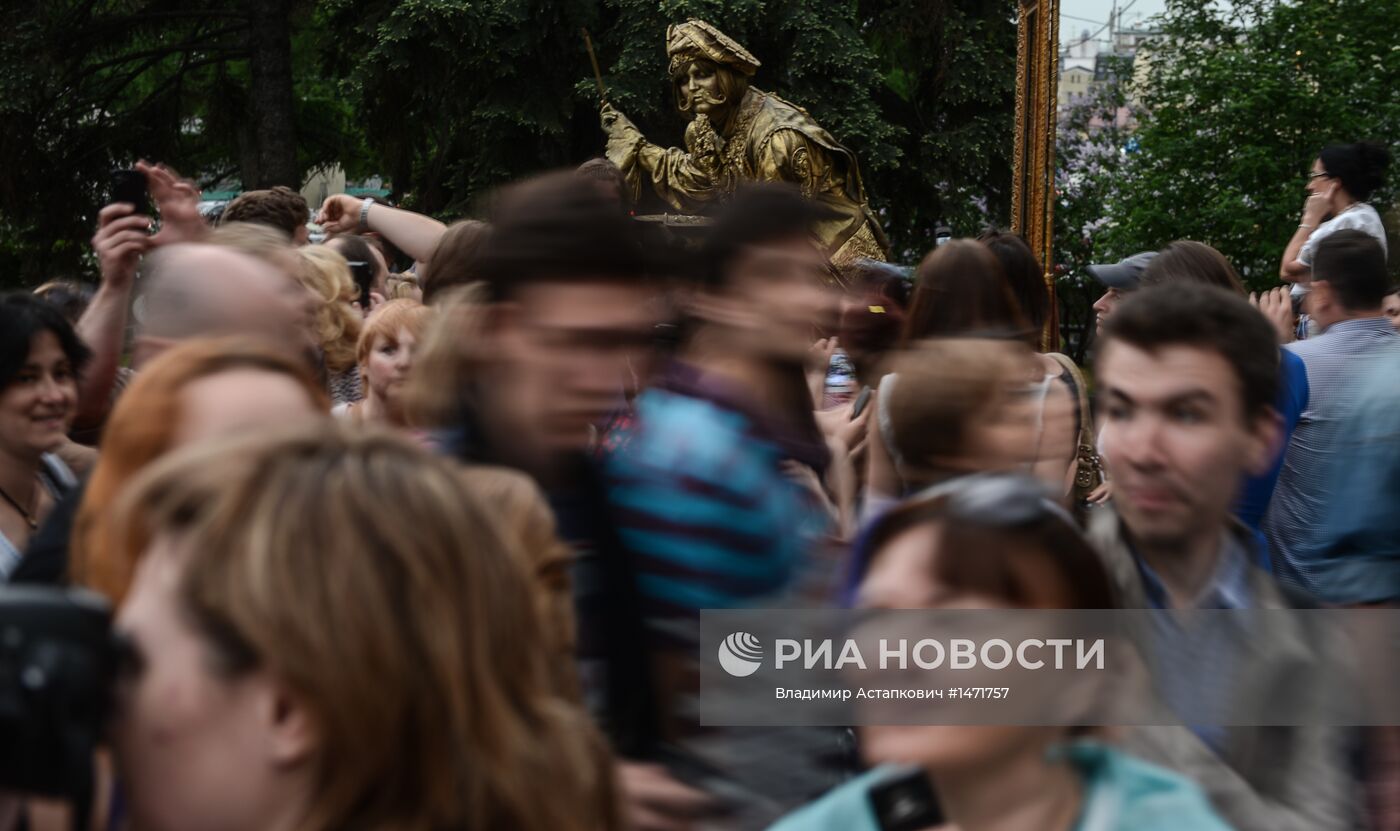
(1124, 275)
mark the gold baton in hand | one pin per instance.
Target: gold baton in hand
(597, 73)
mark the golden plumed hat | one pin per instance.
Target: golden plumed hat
(696, 39)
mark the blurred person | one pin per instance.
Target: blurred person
(338, 322)
(872, 315)
(961, 290)
(403, 287)
(1185, 261)
(1187, 376)
(259, 697)
(445, 363)
(386, 349)
(1354, 553)
(997, 778)
(449, 359)
(569, 316)
(949, 407)
(1118, 279)
(69, 296)
(40, 359)
(718, 487)
(1026, 278)
(608, 178)
(523, 371)
(200, 389)
(526, 521)
(258, 240)
(279, 207)
(871, 320)
(1191, 261)
(733, 400)
(1391, 307)
(367, 268)
(455, 259)
(1349, 285)
(1342, 178)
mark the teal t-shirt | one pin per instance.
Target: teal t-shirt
(1121, 793)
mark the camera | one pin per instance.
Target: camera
(58, 664)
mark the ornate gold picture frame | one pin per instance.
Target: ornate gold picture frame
(1033, 165)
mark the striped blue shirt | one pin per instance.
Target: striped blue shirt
(701, 499)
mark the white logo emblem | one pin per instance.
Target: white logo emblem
(741, 654)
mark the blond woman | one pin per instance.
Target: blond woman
(338, 323)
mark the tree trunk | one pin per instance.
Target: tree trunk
(272, 103)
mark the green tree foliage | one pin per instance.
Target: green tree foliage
(949, 72)
(87, 86)
(449, 98)
(1239, 98)
(458, 96)
(1091, 145)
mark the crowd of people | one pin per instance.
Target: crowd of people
(412, 528)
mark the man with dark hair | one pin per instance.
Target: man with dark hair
(1348, 289)
(1187, 376)
(368, 269)
(567, 335)
(281, 207)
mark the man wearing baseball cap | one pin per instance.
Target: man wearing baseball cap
(1120, 278)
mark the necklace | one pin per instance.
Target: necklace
(25, 515)
(732, 155)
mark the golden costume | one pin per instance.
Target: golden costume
(768, 139)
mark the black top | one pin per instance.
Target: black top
(45, 561)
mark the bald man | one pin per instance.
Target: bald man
(200, 290)
(235, 283)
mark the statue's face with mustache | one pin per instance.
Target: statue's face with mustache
(700, 91)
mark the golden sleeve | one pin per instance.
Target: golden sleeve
(788, 156)
(684, 179)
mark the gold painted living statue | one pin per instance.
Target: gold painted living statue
(738, 133)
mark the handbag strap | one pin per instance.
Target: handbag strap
(1086, 422)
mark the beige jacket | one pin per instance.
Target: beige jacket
(1267, 778)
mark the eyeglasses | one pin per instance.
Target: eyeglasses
(1323, 175)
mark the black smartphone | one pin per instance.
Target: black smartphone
(862, 401)
(129, 186)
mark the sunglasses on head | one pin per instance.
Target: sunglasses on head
(999, 500)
